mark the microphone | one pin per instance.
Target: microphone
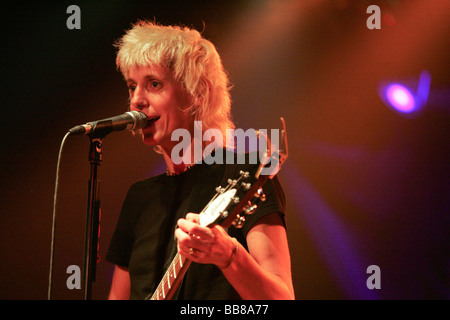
(131, 120)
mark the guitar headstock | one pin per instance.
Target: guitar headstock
(276, 150)
(283, 150)
(242, 195)
(225, 197)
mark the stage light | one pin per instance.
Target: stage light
(402, 98)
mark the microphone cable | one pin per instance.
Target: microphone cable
(55, 196)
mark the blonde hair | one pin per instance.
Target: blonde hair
(194, 61)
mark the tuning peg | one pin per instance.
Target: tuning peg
(220, 189)
(244, 174)
(246, 186)
(250, 209)
(239, 221)
(235, 199)
(260, 194)
(224, 214)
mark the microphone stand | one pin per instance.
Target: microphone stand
(97, 131)
(93, 215)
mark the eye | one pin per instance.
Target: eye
(131, 87)
(155, 84)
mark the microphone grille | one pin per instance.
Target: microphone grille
(140, 119)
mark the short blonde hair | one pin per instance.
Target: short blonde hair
(194, 62)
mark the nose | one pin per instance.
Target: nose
(139, 99)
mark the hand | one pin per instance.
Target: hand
(210, 245)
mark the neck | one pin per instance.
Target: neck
(185, 161)
(176, 169)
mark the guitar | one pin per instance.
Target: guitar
(228, 207)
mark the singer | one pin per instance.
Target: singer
(176, 77)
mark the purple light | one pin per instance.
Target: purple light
(403, 98)
(400, 98)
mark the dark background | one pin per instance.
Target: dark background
(365, 185)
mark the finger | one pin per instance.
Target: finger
(191, 253)
(184, 250)
(181, 235)
(193, 217)
(187, 241)
(195, 230)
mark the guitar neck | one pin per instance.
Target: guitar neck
(172, 278)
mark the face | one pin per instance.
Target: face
(154, 92)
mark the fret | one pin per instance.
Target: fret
(169, 281)
(174, 271)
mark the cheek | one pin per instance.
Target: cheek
(177, 115)
(182, 119)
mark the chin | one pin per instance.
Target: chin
(149, 141)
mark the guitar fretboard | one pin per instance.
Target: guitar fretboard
(174, 273)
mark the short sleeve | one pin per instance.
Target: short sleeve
(121, 244)
(275, 198)
(275, 203)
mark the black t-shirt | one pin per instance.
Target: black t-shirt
(144, 239)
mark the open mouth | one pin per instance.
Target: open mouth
(152, 120)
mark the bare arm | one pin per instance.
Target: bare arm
(267, 263)
(120, 288)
